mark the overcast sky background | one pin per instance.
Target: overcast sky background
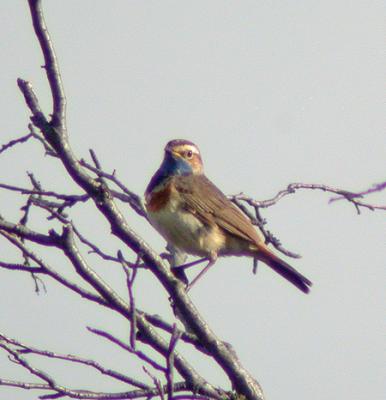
(272, 92)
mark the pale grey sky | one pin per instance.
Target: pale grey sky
(272, 92)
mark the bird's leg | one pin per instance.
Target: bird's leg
(191, 264)
(179, 270)
(212, 260)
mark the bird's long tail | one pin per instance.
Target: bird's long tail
(285, 270)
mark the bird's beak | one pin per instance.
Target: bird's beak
(172, 153)
(176, 155)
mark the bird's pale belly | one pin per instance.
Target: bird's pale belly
(185, 231)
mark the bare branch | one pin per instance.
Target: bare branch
(94, 182)
(24, 385)
(259, 221)
(147, 333)
(103, 198)
(47, 147)
(133, 199)
(46, 269)
(141, 355)
(170, 362)
(51, 65)
(20, 267)
(67, 197)
(28, 234)
(187, 337)
(96, 250)
(13, 142)
(117, 305)
(21, 349)
(378, 187)
(156, 382)
(34, 371)
(130, 278)
(293, 187)
(30, 97)
(24, 349)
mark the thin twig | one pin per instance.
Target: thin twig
(141, 355)
(26, 349)
(47, 193)
(46, 269)
(293, 187)
(170, 361)
(96, 250)
(259, 221)
(47, 147)
(133, 199)
(156, 382)
(13, 142)
(378, 187)
(130, 278)
(20, 267)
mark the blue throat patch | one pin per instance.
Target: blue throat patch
(170, 167)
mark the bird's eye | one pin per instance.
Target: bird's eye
(189, 154)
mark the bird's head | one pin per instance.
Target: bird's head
(183, 157)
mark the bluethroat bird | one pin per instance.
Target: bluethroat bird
(194, 216)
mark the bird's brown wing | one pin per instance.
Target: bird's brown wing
(203, 198)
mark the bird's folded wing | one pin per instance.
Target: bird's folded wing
(201, 197)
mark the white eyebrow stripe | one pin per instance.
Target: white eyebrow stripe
(194, 149)
(185, 147)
